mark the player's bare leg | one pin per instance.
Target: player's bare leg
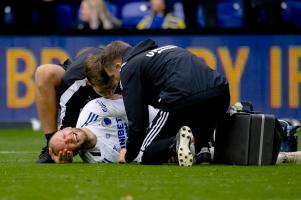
(48, 78)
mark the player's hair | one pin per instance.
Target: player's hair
(113, 51)
(97, 66)
(97, 76)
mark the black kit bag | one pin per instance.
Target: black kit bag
(247, 138)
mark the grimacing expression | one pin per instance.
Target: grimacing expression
(71, 139)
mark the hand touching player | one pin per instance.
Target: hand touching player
(121, 158)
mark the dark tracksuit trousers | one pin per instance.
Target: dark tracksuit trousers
(201, 117)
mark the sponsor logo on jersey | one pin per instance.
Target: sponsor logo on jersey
(103, 106)
(159, 50)
(121, 132)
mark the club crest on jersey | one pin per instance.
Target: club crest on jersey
(106, 122)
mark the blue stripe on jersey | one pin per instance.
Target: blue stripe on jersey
(87, 119)
(95, 118)
(91, 118)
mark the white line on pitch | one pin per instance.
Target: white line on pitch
(17, 152)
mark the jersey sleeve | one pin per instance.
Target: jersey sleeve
(87, 157)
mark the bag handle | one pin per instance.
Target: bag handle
(243, 107)
(247, 104)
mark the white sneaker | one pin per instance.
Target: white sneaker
(185, 157)
(289, 157)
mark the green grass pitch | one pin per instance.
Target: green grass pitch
(21, 178)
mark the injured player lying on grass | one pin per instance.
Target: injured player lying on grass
(102, 132)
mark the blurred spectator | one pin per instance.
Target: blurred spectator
(264, 13)
(120, 4)
(191, 8)
(19, 14)
(94, 15)
(161, 17)
(45, 13)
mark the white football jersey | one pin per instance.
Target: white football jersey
(107, 119)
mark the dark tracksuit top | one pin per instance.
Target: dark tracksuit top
(167, 78)
(74, 92)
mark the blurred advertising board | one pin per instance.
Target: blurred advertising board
(262, 69)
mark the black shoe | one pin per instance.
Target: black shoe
(204, 156)
(44, 157)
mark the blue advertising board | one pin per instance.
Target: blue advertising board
(264, 70)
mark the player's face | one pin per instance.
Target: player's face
(71, 139)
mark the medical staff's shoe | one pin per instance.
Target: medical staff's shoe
(44, 156)
(204, 156)
(184, 136)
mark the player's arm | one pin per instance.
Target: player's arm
(137, 112)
